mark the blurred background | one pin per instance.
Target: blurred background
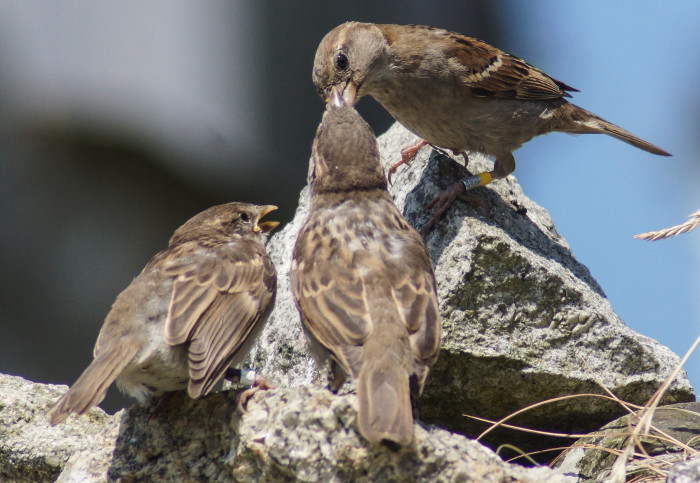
(121, 119)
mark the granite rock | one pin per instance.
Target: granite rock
(523, 320)
(286, 434)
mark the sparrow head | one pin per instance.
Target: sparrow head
(221, 223)
(346, 60)
(345, 155)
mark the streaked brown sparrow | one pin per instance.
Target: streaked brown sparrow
(455, 92)
(362, 279)
(194, 310)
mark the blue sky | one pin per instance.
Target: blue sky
(637, 64)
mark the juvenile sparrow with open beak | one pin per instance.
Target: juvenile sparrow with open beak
(194, 310)
(362, 279)
(455, 92)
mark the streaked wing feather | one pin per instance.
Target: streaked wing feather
(189, 301)
(336, 313)
(415, 295)
(220, 333)
(199, 280)
(491, 72)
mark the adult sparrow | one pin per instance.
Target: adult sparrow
(195, 309)
(453, 91)
(363, 281)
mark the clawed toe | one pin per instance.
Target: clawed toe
(444, 200)
(394, 167)
(407, 155)
(477, 200)
(260, 384)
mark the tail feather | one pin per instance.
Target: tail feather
(91, 386)
(587, 122)
(385, 411)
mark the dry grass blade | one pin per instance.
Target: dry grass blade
(619, 473)
(672, 231)
(521, 453)
(561, 449)
(662, 436)
(544, 433)
(542, 403)
(584, 446)
(628, 406)
(656, 398)
(642, 414)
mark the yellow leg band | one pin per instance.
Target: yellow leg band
(485, 178)
(476, 180)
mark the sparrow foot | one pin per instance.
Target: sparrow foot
(461, 152)
(445, 199)
(407, 155)
(163, 401)
(337, 377)
(260, 384)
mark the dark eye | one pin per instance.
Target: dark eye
(244, 217)
(341, 61)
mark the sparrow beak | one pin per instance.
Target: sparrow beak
(265, 226)
(336, 99)
(347, 92)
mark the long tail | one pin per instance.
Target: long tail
(91, 386)
(587, 122)
(383, 393)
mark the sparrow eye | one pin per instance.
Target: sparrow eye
(341, 61)
(244, 217)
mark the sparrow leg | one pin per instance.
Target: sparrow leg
(162, 402)
(445, 199)
(260, 383)
(337, 377)
(457, 152)
(505, 164)
(407, 155)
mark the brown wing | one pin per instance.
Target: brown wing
(494, 73)
(488, 71)
(217, 300)
(330, 293)
(333, 286)
(415, 294)
(334, 307)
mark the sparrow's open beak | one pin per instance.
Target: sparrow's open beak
(265, 226)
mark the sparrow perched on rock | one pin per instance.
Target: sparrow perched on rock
(363, 281)
(453, 91)
(195, 309)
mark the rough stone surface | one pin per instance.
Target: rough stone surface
(671, 424)
(32, 450)
(520, 313)
(287, 434)
(685, 472)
